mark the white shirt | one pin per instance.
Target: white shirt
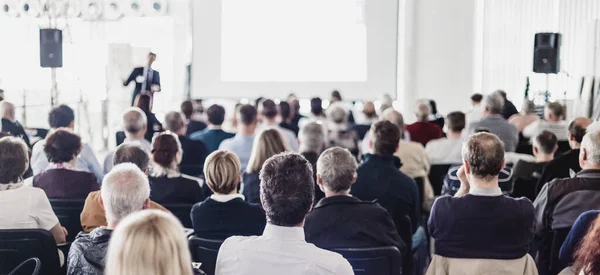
(26, 208)
(280, 250)
(445, 151)
(86, 160)
(560, 129)
(227, 197)
(475, 114)
(108, 161)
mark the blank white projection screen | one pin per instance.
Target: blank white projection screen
(271, 48)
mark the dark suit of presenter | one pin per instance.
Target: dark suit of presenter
(144, 78)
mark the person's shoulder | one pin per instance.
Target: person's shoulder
(325, 257)
(190, 179)
(239, 243)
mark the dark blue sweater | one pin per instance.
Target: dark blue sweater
(221, 220)
(482, 227)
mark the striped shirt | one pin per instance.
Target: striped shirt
(559, 128)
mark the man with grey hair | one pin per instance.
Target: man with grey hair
(10, 124)
(479, 222)
(423, 131)
(134, 123)
(340, 220)
(496, 124)
(312, 142)
(124, 190)
(561, 201)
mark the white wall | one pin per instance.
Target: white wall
(440, 54)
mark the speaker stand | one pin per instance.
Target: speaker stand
(54, 90)
(547, 93)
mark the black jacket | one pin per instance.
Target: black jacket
(194, 155)
(251, 187)
(312, 158)
(15, 129)
(347, 222)
(153, 126)
(379, 178)
(88, 251)
(509, 109)
(559, 168)
(221, 220)
(139, 71)
(178, 190)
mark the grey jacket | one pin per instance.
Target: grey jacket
(499, 126)
(87, 252)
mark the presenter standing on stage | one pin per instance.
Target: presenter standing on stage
(147, 80)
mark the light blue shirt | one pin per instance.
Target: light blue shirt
(241, 146)
(86, 160)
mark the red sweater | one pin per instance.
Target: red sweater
(424, 132)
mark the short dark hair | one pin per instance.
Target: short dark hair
(14, 159)
(385, 137)
(577, 131)
(501, 93)
(61, 116)
(143, 102)
(316, 106)
(187, 108)
(247, 114)
(556, 109)
(285, 109)
(433, 106)
(287, 189)
(132, 153)
(484, 152)
(174, 121)
(477, 98)
(216, 114)
(164, 149)
(62, 145)
(335, 95)
(456, 121)
(269, 108)
(546, 142)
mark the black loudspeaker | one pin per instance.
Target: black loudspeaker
(51, 48)
(546, 53)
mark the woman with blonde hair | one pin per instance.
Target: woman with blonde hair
(268, 143)
(148, 242)
(225, 213)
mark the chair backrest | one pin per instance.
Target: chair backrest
(525, 188)
(404, 227)
(19, 245)
(68, 212)
(563, 146)
(436, 177)
(182, 212)
(377, 260)
(205, 251)
(25, 266)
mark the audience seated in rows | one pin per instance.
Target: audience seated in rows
(567, 164)
(241, 143)
(553, 122)
(225, 213)
(149, 242)
(479, 222)
(340, 220)
(338, 130)
(134, 124)
(61, 179)
(287, 193)
(63, 116)
(269, 117)
(475, 114)
(526, 117)
(423, 131)
(10, 124)
(508, 108)
(285, 111)
(144, 102)
(194, 151)
(312, 143)
(168, 185)
(495, 123)
(124, 190)
(268, 143)
(526, 173)
(561, 201)
(192, 123)
(379, 177)
(573, 242)
(93, 215)
(23, 206)
(448, 150)
(213, 135)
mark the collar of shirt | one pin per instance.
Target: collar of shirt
(214, 127)
(485, 192)
(284, 233)
(226, 198)
(64, 165)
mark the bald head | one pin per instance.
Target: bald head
(483, 153)
(423, 111)
(7, 110)
(577, 129)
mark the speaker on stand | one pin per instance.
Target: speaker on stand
(546, 54)
(51, 56)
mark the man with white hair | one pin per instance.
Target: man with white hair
(312, 142)
(10, 124)
(134, 124)
(423, 131)
(494, 123)
(124, 190)
(561, 201)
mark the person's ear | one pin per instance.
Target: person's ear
(371, 144)
(555, 149)
(146, 204)
(101, 202)
(571, 137)
(503, 164)
(319, 179)
(467, 167)
(535, 150)
(354, 177)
